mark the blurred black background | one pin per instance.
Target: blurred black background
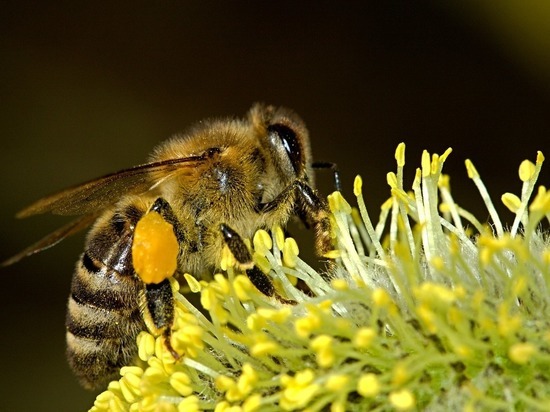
(90, 88)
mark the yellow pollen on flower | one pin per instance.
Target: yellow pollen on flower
(161, 352)
(325, 306)
(400, 194)
(154, 249)
(255, 322)
(402, 399)
(299, 390)
(264, 346)
(368, 385)
(508, 324)
(189, 404)
(417, 179)
(526, 170)
(279, 237)
(188, 340)
(146, 345)
(262, 241)
(445, 155)
(426, 314)
(129, 386)
(400, 375)
(180, 381)
(391, 179)
(381, 298)
(426, 164)
(222, 284)
(208, 298)
(224, 406)
(333, 254)
(322, 345)
(290, 252)
(541, 203)
(194, 285)
(429, 290)
(436, 162)
(387, 204)
(363, 337)
(357, 185)
(400, 154)
(246, 382)
(337, 202)
(155, 373)
(472, 171)
(224, 383)
(444, 207)
(444, 181)
(261, 262)
(339, 284)
(242, 287)
(336, 383)
(306, 325)
(521, 353)
(109, 402)
(275, 315)
(438, 263)
(227, 259)
(511, 201)
(252, 403)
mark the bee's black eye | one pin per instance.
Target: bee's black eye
(290, 142)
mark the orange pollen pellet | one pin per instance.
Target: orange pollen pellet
(154, 249)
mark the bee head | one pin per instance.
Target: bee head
(286, 138)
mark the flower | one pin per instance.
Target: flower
(425, 309)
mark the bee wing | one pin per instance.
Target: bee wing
(53, 238)
(97, 194)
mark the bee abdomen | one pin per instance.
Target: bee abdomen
(103, 320)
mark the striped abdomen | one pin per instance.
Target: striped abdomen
(103, 315)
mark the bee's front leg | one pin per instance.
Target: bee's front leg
(312, 210)
(241, 253)
(333, 167)
(315, 213)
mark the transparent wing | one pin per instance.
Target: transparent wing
(97, 194)
(53, 238)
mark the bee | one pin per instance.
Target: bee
(213, 186)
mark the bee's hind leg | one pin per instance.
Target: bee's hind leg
(159, 298)
(159, 311)
(241, 253)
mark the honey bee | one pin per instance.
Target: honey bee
(212, 186)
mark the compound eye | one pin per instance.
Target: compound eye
(290, 143)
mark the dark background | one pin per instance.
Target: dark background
(87, 89)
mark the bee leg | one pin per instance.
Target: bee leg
(159, 307)
(334, 168)
(241, 253)
(314, 211)
(163, 208)
(159, 297)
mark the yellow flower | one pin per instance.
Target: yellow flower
(424, 298)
